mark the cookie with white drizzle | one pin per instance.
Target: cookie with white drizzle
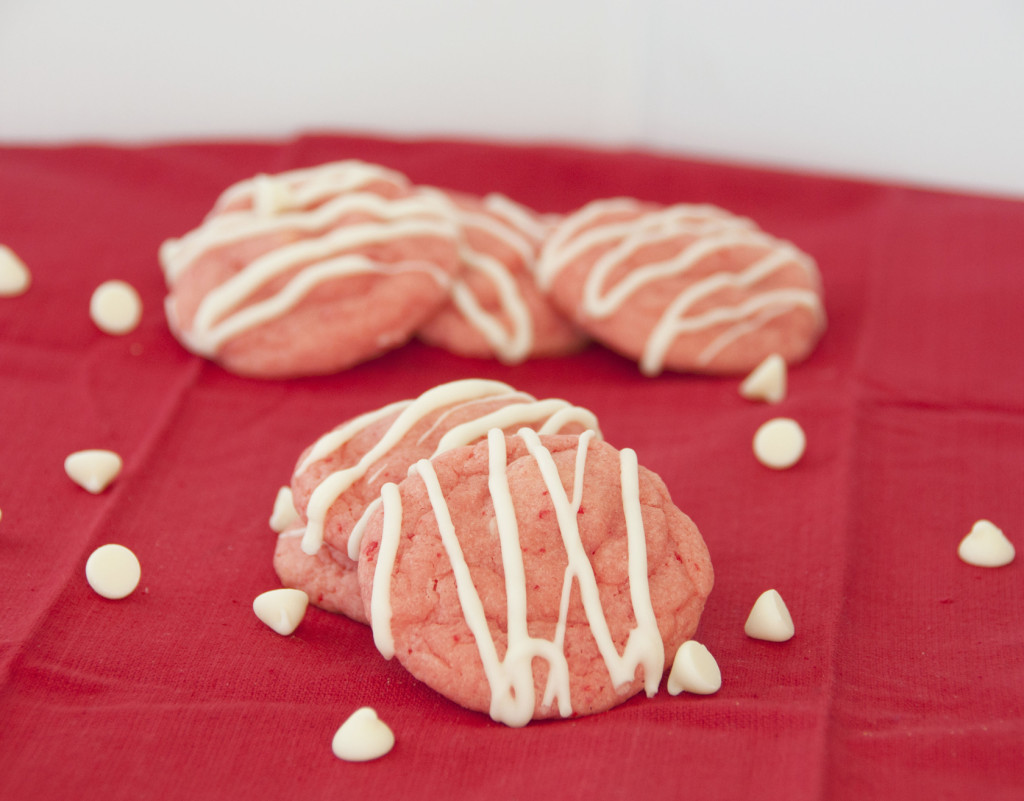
(496, 310)
(533, 576)
(311, 271)
(337, 480)
(689, 288)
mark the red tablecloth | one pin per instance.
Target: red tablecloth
(906, 676)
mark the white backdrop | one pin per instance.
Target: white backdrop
(920, 91)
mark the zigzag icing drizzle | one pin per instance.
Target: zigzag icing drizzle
(502, 220)
(313, 202)
(521, 409)
(513, 697)
(714, 230)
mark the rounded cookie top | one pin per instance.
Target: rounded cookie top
(533, 576)
(341, 474)
(691, 288)
(336, 483)
(310, 271)
(495, 309)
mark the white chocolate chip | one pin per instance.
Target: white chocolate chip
(769, 619)
(113, 571)
(14, 275)
(93, 470)
(986, 546)
(779, 443)
(767, 381)
(362, 737)
(282, 609)
(694, 670)
(284, 515)
(115, 307)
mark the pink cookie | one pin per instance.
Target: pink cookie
(690, 288)
(338, 478)
(496, 309)
(328, 577)
(310, 271)
(533, 576)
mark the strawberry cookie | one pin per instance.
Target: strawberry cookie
(690, 288)
(533, 576)
(496, 309)
(337, 481)
(311, 271)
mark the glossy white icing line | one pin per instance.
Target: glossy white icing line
(621, 668)
(567, 416)
(675, 322)
(515, 415)
(510, 235)
(328, 491)
(309, 184)
(513, 698)
(519, 218)
(337, 244)
(334, 439)
(644, 645)
(552, 689)
(510, 695)
(509, 397)
(271, 196)
(205, 338)
(601, 301)
(512, 344)
(380, 592)
(231, 227)
(759, 319)
(714, 231)
(355, 536)
(509, 330)
(641, 227)
(556, 416)
(625, 239)
(553, 255)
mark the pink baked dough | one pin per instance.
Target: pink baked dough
(508, 236)
(341, 321)
(431, 636)
(328, 577)
(786, 308)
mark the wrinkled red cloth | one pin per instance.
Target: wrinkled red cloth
(905, 679)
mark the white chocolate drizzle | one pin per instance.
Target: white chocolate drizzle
(231, 227)
(513, 697)
(309, 185)
(503, 220)
(320, 204)
(510, 346)
(525, 220)
(552, 415)
(714, 230)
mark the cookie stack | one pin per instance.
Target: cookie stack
(315, 270)
(503, 552)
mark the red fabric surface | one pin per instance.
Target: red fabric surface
(906, 676)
